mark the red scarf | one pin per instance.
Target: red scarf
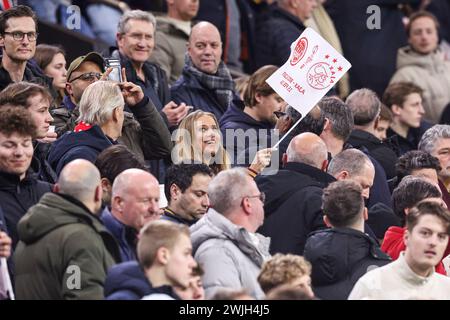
(82, 126)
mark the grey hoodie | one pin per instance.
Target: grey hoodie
(229, 254)
(431, 72)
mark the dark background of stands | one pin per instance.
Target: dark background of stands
(75, 44)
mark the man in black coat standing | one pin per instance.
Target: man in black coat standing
(282, 26)
(342, 254)
(294, 195)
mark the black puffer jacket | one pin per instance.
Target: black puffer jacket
(339, 257)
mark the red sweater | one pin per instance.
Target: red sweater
(393, 244)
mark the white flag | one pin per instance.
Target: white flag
(312, 69)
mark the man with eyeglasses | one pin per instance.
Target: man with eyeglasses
(224, 240)
(18, 35)
(135, 41)
(144, 131)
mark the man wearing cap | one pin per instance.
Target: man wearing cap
(144, 131)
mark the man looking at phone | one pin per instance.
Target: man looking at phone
(144, 132)
(135, 40)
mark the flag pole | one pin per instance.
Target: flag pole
(286, 134)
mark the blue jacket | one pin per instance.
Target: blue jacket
(126, 236)
(78, 145)
(276, 32)
(126, 281)
(258, 132)
(189, 90)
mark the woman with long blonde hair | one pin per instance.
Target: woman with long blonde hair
(198, 140)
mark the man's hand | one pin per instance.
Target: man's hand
(5, 245)
(261, 160)
(105, 75)
(131, 92)
(49, 138)
(175, 113)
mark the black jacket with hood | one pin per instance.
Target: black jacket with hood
(339, 257)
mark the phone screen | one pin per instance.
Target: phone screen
(116, 74)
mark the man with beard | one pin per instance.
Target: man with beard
(18, 35)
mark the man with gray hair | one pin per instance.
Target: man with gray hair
(101, 121)
(294, 194)
(102, 113)
(338, 124)
(64, 250)
(354, 165)
(436, 141)
(134, 202)
(365, 107)
(225, 242)
(136, 40)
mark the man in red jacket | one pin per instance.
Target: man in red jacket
(409, 192)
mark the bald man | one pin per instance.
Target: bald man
(64, 249)
(134, 202)
(294, 195)
(206, 82)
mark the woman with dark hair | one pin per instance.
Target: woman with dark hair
(51, 59)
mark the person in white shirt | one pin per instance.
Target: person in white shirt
(412, 275)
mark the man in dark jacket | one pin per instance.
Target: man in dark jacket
(65, 251)
(144, 132)
(18, 34)
(135, 39)
(342, 254)
(37, 100)
(293, 205)
(206, 82)
(129, 212)
(186, 190)
(282, 26)
(19, 188)
(102, 117)
(353, 164)
(256, 118)
(365, 107)
(404, 99)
